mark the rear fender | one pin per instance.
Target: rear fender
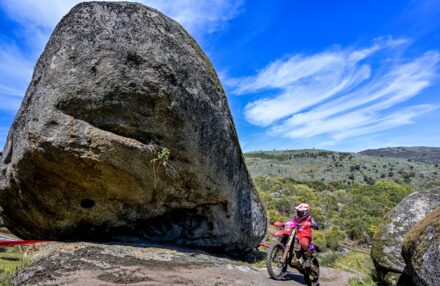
(282, 232)
(278, 224)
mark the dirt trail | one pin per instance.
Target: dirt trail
(98, 264)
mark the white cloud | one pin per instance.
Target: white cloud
(38, 18)
(197, 16)
(329, 65)
(401, 117)
(296, 97)
(15, 74)
(13, 68)
(9, 103)
(338, 93)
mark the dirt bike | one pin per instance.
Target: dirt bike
(288, 252)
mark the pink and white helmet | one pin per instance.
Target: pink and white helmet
(302, 210)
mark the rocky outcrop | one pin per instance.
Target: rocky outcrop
(125, 135)
(421, 251)
(387, 241)
(78, 264)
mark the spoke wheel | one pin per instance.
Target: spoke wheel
(275, 267)
(311, 275)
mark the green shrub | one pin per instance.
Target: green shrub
(274, 216)
(372, 279)
(11, 261)
(355, 262)
(328, 258)
(329, 239)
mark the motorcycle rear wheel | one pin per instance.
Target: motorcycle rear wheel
(274, 267)
(312, 279)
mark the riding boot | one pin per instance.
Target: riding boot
(308, 262)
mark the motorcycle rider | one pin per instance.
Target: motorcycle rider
(304, 222)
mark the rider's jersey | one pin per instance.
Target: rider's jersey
(305, 225)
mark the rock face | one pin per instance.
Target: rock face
(421, 251)
(387, 242)
(125, 135)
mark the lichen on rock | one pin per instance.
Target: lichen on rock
(387, 241)
(421, 251)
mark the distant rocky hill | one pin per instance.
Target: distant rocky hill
(330, 166)
(430, 155)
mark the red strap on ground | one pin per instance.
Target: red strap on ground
(19, 242)
(265, 245)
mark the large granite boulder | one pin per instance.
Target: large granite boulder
(387, 241)
(421, 251)
(125, 135)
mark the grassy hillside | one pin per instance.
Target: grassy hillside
(429, 155)
(346, 168)
(342, 211)
(349, 194)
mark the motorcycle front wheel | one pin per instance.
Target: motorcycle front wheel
(274, 266)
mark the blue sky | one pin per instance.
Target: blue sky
(339, 75)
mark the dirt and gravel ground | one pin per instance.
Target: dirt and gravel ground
(103, 264)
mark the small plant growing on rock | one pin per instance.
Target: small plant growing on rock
(161, 161)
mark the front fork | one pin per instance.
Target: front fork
(288, 245)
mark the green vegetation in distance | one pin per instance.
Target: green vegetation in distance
(346, 214)
(346, 168)
(342, 211)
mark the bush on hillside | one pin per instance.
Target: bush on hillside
(274, 216)
(341, 210)
(329, 239)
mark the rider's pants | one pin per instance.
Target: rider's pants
(304, 242)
